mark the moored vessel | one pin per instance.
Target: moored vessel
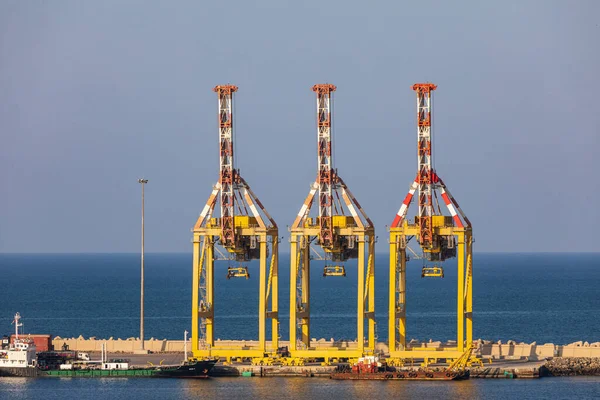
(197, 369)
(19, 358)
(120, 367)
(371, 368)
(189, 369)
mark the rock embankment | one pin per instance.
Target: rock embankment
(572, 366)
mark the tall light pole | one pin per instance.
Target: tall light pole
(185, 333)
(143, 182)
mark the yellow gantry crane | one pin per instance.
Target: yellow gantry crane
(339, 237)
(440, 238)
(246, 232)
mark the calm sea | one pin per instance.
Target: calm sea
(295, 388)
(523, 297)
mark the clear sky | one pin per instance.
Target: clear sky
(95, 94)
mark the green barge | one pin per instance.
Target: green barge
(99, 373)
(190, 369)
(196, 369)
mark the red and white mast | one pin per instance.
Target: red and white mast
(227, 171)
(326, 175)
(425, 174)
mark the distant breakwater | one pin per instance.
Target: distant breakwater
(573, 366)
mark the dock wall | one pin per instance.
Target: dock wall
(165, 345)
(534, 351)
(484, 349)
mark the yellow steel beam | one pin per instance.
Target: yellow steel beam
(216, 231)
(360, 319)
(413, 230)
(306, 293)
(397, 305)
(460, 307)
(402, 298)
(262, 295)
(428, 353)
(328, 353)
(371, 289)
(230, 353)
(392, 293)
(294, 261)
(348, 231)
(469, 289)
(195, 289)
(274, 274)
(210, 287)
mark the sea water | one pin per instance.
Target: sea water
(524, 297)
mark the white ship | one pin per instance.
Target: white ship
(21, 352)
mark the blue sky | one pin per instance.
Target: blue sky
(94, 95)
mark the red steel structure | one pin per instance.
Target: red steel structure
(226, 167)
(425, 172)
(326, 175)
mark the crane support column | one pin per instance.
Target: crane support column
(262, 294)
(460, 307)
(305, 296)
(210, 294)
(294, 261)
(371, 293)
(195, 290)
(360, 318)
(397, 299)
(469, 287)
(274, 314)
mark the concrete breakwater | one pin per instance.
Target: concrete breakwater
(573, 366)
(483, 348)
(516, 370)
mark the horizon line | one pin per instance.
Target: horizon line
(281, 252)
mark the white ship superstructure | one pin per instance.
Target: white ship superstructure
(21, 352)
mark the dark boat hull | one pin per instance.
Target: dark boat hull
(191, 370)
(19, 372)
(194, 370)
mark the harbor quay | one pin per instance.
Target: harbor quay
(482, 348)
(499, 359)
